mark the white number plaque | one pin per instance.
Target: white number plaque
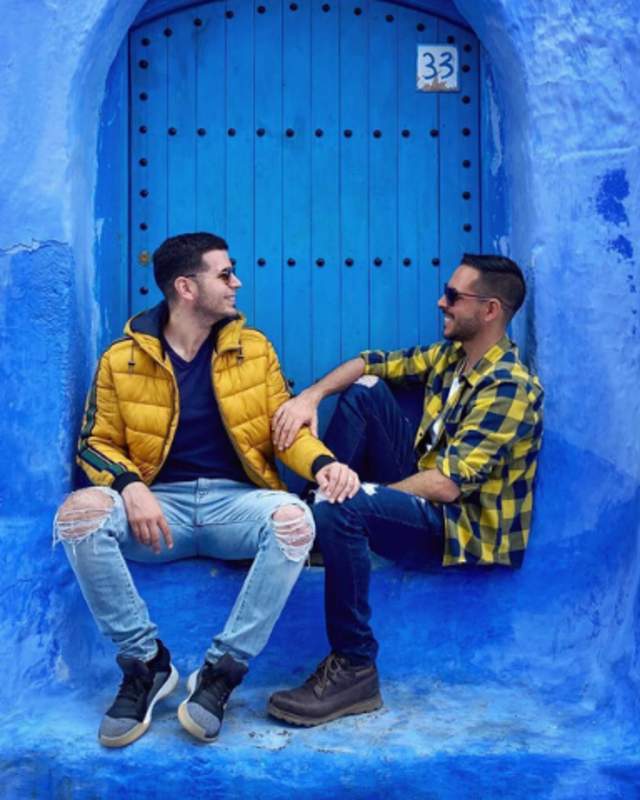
(437, 68)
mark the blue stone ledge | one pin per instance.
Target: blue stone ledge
(462, 718)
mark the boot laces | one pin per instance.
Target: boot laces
(326, 670)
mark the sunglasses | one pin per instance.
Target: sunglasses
(452, 295)
(225, 275)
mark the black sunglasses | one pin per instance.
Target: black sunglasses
(452, 295)
(225, 275)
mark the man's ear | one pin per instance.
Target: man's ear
(184, 288)
(494, 310)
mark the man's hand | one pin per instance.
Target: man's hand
(291, 416)
(145, 516)
(337, 482)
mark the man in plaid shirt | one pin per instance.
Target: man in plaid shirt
(463, 480)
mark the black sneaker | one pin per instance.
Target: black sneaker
(143, 684)
(209, 688)
(336, 689)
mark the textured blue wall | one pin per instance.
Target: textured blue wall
(571, 157)
(524, 674)
(54, 64)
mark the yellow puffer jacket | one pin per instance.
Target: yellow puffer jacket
(132, 409)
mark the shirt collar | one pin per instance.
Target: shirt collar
(493, 355)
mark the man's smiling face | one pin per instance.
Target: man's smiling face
(463, 319)
(216, 285)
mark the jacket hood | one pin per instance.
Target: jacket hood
(151, 322)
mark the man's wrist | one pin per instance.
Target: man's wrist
(320, 462)
(314, 393)
(122, 481)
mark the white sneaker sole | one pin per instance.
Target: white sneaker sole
(138, 730)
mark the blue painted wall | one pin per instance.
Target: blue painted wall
(563, 631)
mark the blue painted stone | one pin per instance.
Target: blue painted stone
(516, 684)
(614, 188)
(622, 246)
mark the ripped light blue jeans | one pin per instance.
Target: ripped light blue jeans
(212, 518)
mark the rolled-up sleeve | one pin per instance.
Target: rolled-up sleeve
(399, 366)
(500, 417)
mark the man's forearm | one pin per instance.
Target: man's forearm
(430, 484)
(337, 380)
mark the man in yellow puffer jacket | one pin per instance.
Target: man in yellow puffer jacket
(176, 438)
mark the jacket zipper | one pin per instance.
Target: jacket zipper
(255, 477)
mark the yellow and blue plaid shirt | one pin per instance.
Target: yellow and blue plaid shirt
(488, 443)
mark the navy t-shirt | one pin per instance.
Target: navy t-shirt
(201, 447)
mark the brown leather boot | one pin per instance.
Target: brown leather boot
(336, 689)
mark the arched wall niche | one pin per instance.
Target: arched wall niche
(562, 207)
(563, 630)
(114, 242)
(156, 8)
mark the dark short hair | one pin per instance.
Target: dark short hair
(180, 255)
(499, 277)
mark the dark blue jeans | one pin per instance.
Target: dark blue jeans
(369, 432)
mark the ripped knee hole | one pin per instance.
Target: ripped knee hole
(293, 531)
(82, 513)
(367, 380)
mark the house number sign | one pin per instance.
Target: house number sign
(437, 68)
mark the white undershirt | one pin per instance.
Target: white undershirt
(452, 398)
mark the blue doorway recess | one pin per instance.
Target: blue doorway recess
(297, 131)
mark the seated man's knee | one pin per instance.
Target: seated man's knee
(363, 386)
(367, 381)
(367, 390)
(326, 513)
(83, 513)
(294, 530)
(358, 501)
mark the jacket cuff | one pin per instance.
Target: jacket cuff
(124, 480)
(320, 462)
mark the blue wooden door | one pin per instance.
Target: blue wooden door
(296, 131)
